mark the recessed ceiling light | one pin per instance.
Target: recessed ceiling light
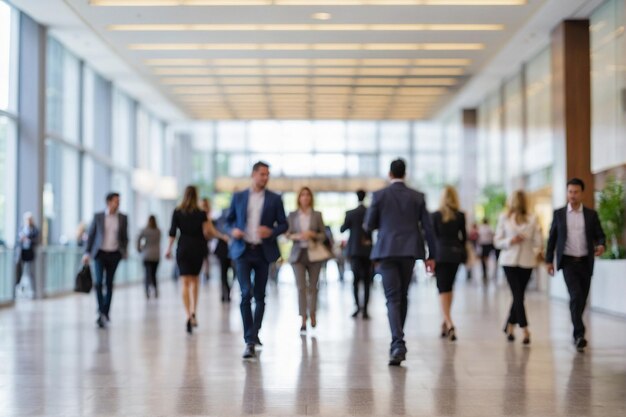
(321, 16)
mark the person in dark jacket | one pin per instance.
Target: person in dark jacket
(27, 241)
(399, 214)
(149, 245)
(449, 227)
(576, 237)
(358, 251)
(107, 245)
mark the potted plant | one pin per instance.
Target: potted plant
(612, 214)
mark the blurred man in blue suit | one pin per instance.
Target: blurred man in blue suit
(400, 215)
(255, 219)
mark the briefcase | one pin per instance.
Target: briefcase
(83, 280)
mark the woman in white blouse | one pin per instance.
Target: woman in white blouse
(306, 229)
(518, 235)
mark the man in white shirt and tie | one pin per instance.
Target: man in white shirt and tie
(577, 237)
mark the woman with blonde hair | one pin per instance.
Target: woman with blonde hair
(195, 228)
(449, 226)
(518, 235)
(306, 229)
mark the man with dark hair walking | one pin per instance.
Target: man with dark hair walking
(358, 250)
(255, 219)
(107, 244)
(400, 215)
(577, 237)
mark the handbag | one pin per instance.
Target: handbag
(83, 280)
(318, 252)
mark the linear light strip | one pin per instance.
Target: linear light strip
(298, 62)
(164, 3)
(306, 47)
(302, 27)
(304, 71)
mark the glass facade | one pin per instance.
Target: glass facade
(608, 86)
(325, 149)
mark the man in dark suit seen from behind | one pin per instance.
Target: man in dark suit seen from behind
(358, 250)
(400, 215)
(107, 245)
(577, 237)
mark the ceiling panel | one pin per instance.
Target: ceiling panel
(247, 59)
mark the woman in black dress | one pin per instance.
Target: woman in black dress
(195, 229)
(449, 225)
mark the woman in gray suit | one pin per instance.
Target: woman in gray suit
(149, 245)
(306, 229)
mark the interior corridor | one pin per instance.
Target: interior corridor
(55, 362)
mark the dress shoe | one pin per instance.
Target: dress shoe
(258, 343)
(396, 357)
(249, 352)
(303, 329)
(100, 322)
(189, 326)
(365, 315)
(581, 344)
(106, 317)
(356, 313)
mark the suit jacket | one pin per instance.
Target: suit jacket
(558, 236)
(451, 237)
(360, 241)
(96, 234)
(316, 225)
(272, 216)
(523, 254)
(400, 215)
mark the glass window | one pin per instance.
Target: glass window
(427, 136)
(62, 92)
(142, 154)
(157, 141)
(122, 139)
(329, 165)
(8, 57)
(7, 180)
(329, 136)
(231, 136)
(362, 136)
(265, 135)
(538, 151)
(513, 127)
(61, 201)
(395, 137)
(298, 136)
(608, 86)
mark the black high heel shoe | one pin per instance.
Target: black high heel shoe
(451, 334)
(189, 327)
(444, 329)
(509, 335)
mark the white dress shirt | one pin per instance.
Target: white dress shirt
(576, 243)
(255, 208)
(110, 242)
(304, 219)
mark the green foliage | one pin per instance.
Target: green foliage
(612, 213)
(494, 201)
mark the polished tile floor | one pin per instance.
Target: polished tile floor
(55, 362)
